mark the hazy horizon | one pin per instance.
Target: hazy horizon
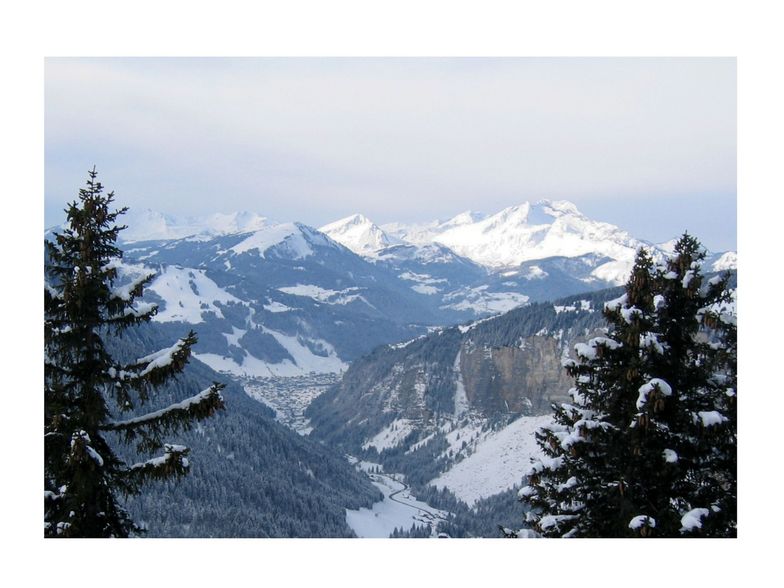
(647, 144)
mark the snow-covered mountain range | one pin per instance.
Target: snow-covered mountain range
(280, 299)
(423, 233)
(508, 238)
(515, 235)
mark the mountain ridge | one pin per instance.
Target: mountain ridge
(516, 234)
(280, 299)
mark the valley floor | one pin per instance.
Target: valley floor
(398, 510)
(490, 461)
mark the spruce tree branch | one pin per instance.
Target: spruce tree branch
(172, 463)
(157, 367)
(127, 292)
(200, 406)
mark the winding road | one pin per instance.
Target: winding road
(398, 509)
(432, 516)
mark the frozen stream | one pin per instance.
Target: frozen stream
(398, 509)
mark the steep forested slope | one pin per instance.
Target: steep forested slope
(250, 476)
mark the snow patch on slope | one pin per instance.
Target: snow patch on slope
(325, 295)
(615, 272)
(481, 301)
(392, 435)
(461, 398)
(276, 307)
(305, 361)
(424, 282)
(187, 294)
(269, 236)
(497, 462)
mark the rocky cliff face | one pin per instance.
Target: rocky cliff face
(522, 379)
(493, 370)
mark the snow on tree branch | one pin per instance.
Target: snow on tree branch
(200, 406)
(155, 367)
(82, 450)
(127, 292)
(172, 462)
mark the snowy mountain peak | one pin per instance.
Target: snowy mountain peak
(464, 218)
(726, 261)
(537, 231)
(360, 234)
(542, 212)
(556, 208)
(356, 219)
(287, 240)
(147, 224)
(424, 233)
(513, 215)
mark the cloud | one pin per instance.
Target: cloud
(395, 138)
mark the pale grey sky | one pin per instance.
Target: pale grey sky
(645, 143)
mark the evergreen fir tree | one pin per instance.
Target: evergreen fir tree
(698, 423)
(647, 447)
(86, 392)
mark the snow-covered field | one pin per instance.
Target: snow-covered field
(497, 463)
(425, 284)
(187, 294)
(391, 435)
(325, 295)
(305, 360)
(398, 509)
(480, 300)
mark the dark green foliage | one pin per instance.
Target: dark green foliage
(648, 444)
(87, 391)
(418, 466)
(250, 475)
(258, 479)
(415, 532)
(480, 520)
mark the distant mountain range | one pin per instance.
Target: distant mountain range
(516, 235)
(278, 299)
